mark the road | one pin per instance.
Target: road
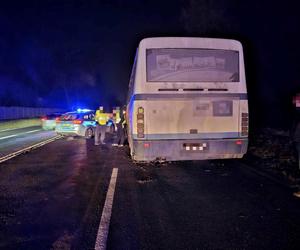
(53, 198)
(16, 139)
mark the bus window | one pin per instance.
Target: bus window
(190, 65)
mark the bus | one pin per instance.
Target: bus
(187, 100)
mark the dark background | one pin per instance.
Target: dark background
(79, 53)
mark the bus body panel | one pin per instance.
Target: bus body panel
(176, 130)
(186, 120)
(177, 150)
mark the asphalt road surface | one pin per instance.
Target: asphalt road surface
(16, 139)
(54, 196)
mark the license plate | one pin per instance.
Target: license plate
(202, 146)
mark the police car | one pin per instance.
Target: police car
(77, 123)
(80, 123)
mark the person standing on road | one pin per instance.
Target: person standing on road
(296, 127)
(297, 142)
(296, 133)
(101, 120)
(296, 138)
(121, 130)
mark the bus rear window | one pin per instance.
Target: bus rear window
(192, 65)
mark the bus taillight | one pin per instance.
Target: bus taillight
(245, 124)
(239, 142)
(140, 123)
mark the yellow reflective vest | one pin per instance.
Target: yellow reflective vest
(101, 117)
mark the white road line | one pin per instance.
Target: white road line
(28, 132)
(8, 129)
(6, 137)
(106, 213)
(31, 131)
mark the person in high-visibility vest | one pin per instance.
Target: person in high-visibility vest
(101, 120)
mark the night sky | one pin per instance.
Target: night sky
(70, 54)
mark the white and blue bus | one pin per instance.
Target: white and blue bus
(187, 100)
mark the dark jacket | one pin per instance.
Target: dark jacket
(296, 132)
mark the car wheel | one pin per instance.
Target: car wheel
(89, 133)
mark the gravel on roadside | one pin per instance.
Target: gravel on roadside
(272, 150)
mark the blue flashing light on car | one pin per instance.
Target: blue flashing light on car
(79, 110)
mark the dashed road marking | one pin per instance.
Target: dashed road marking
(106, 213)
(28, 132)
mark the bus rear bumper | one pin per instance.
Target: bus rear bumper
(181, 150)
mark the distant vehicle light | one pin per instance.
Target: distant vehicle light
(44, 118)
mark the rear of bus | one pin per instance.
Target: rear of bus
(189, 100)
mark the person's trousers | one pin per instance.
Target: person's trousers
(120, 135)
(100, 134)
